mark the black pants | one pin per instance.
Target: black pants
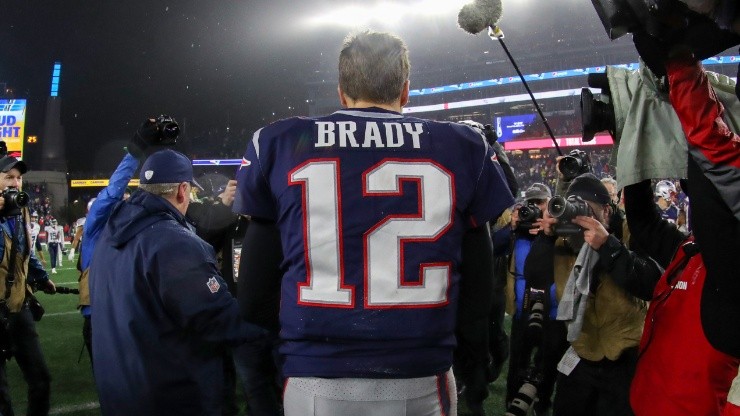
(597, 388)
(28, 355)
(256, 367)
(87, 336)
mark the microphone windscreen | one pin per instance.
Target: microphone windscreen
(477, 16)
(471, 20)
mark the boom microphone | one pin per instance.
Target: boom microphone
(480, 15)
(475, 17)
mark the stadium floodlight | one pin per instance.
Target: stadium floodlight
(385, 13)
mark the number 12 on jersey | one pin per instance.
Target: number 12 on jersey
(383, 243)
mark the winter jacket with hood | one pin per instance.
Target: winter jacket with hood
(162, 312)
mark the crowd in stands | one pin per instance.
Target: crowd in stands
(39, 199)
(540, 167)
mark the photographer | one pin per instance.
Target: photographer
(521, 299)
(604, 323)
(19, 270)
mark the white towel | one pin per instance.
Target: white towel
(572, 305)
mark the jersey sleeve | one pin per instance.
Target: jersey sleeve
(492, 195)
(253, 195)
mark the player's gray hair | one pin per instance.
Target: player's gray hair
(161, 189)
(373, 66)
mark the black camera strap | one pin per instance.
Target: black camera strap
(10, 278)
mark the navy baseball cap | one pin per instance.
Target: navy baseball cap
(537, 191)
(167, 166)
(9, 162)
(590, 188)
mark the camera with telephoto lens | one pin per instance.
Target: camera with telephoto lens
(565, 210)
(535, 298)
(67, 291)
(526, 395)
(528, 214)
(15, 201)
(576, 163)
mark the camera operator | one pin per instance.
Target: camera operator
(694, 309)
(19, 270)
(604, 322)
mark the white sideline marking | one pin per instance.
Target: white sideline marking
(74, 408)
(61, 313)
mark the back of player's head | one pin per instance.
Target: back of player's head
(373, 66)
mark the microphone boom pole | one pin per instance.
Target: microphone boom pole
(497, 35)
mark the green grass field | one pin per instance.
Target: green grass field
(72, 387)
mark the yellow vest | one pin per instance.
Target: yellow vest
(19, 287)
(613, 319)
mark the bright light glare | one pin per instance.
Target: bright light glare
(386, 13)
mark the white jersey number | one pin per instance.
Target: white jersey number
(383, 243)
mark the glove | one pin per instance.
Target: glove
(71, 255)
(142, 139)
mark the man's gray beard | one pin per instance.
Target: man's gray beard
(575, 241)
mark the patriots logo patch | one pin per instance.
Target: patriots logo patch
(213, 284)
(244, 163)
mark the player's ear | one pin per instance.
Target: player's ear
(405, 93)
(342, 97)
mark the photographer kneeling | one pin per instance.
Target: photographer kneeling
(20, 269)
(604, 322)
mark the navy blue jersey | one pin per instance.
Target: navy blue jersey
(371, 207)
(670, 214)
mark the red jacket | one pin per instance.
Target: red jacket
(679, 372)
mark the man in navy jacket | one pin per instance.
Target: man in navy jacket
(162, 311)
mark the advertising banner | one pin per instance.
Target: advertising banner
(12, 124)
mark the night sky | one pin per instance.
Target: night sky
(212, 63)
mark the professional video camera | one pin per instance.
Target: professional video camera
(574, 164)
(673, 22)
(597, 113)
(565, 210)
(167, 130)
(154, 132)
(528, 214)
